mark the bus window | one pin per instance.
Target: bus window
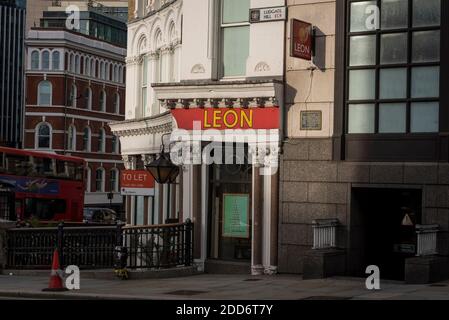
(18, 165)
(61, 171)
(2, 162)
(44, 209)
(76, 171)
(43, 167)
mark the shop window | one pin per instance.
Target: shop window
(393, 69)
(235, 37)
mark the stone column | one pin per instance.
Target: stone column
(196, 207)
(173, 201)
(161, 203)
(274, 221)
(181, 195)
(257, 265)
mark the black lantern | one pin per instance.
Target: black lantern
(163, 170)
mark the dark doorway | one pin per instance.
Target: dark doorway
(384, 228)
(229, 227)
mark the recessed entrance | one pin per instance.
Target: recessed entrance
(383, 229)
(230, 221)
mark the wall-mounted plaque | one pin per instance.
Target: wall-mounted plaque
(268, 14)
(311, 120)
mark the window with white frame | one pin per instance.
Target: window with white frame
(115, 144)
(114, 180)
(86, 139)
(88, 98)
(99, 180)
(44, 93)
(102, 141)
(35, 60)
(234, 37)
(145, 85)
(92, 68)
(102, 101)
(73, 96)
(43, 137)
(77, 64)
(117, 103)
(45, 60)
(55, 57)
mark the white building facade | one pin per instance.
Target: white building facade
(200, 70)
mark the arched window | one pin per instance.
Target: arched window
(102, 141)
(115, 145)
(115, 76)
(44, 93)
(86, 139)
(43, 140)
(71, 138)
(73, 96)
(45, 60)
(72, 63)
(35, 60)
(56, 60)
(114, 180)
(107, 72)
(87, 66)
(99, 180)
(88, 179)
(92, 68)
(77, 64)
(117, 103)
(103, 101)
(88, 98)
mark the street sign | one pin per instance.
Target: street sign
(268, 14)
(136, 183)
(301, 40)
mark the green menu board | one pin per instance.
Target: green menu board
(236, 216)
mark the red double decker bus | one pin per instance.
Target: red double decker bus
(43, 186)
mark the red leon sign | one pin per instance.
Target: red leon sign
(227, 118)
(136, 179)
(302, 40)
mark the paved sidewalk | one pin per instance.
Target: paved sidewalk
(235, 287)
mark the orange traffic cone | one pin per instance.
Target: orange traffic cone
(56, 275)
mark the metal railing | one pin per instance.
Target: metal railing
(159, 246)
(93, 247)
(427, 240)
(325, 234)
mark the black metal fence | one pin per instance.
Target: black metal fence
(93, 247)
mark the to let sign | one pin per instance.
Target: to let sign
(136, 183)
(301, 40)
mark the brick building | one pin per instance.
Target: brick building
(75, 87)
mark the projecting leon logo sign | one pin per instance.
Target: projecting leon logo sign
(301, 40)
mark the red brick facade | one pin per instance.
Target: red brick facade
(61, 114)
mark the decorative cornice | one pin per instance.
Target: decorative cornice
(257, 102)
(155, 125)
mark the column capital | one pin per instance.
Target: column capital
(130, 162)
